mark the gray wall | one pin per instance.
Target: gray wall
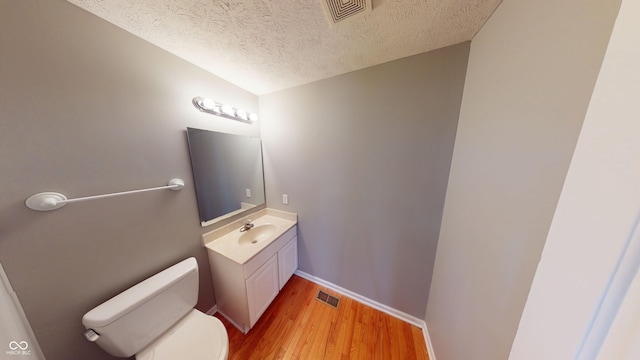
(87, 108)
(531, 72)
(364, 158)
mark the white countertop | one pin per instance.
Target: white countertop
(225, 240)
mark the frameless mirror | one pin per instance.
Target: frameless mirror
(227, 171)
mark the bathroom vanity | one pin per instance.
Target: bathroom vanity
(249, 268)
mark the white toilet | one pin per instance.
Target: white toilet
(156, 319)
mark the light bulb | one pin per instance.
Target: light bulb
(253, 117)
(207, 104)
(241, 114)
(227, 109)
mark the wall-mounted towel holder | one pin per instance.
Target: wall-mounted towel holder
(46, 201)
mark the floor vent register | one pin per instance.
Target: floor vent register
(328, 299)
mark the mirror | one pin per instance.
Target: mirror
(227, 172)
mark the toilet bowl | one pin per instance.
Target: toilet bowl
(195, 336)
(156, 320)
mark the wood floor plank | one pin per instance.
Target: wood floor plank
(296, 334)
(319, 345)
(357, 330)
(310, 330)
(392, 334)
(298, 327)
(419, 344)
(407, 335)
(377, 349)
(350, 329)
(338, 334)
(365, 334)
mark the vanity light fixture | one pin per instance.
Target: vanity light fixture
(224, 110)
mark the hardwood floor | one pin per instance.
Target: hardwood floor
(297, 326)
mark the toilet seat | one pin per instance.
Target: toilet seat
(196, 336)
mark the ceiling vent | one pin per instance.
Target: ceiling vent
(338, 10)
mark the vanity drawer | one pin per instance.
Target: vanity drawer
(263, 256)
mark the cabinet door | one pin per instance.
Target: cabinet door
(287, 261)
(262, 288)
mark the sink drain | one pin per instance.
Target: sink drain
(254, 241)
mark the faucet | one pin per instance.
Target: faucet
(247, 225)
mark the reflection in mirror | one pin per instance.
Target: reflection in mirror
(227, 171)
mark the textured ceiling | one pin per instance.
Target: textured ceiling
(265, 46)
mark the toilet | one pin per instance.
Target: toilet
(156, 320)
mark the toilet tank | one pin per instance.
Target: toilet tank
(129, 321)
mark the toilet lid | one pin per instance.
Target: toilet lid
(196, 336)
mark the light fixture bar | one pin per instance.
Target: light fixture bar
(224, 110)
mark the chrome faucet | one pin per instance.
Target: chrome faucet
(247, 225)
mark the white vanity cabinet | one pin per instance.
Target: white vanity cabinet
(244, 291)
(262, 288)
(287, 262)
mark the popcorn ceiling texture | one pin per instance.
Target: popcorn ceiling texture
(269, 45)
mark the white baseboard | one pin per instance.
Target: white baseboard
(427, 340)
(213, 310)
(376, 305)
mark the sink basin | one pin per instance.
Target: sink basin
(257, 234)
(240, 247)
